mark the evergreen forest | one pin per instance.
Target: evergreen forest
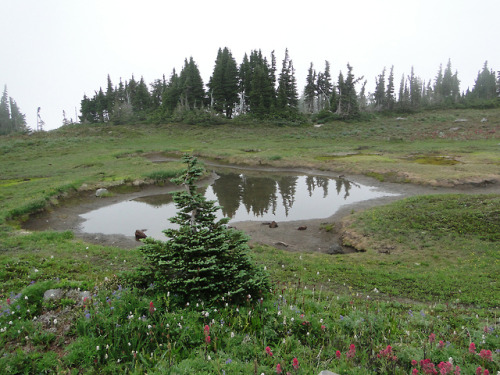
(262, 89)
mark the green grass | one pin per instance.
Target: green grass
(430, 264)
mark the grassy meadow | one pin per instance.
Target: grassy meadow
(422, 296)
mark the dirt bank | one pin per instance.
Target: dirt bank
(320, 235)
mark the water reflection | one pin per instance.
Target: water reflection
(243, 196)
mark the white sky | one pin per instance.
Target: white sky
(55, 51)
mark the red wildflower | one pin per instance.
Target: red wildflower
(479, 371)
(441, 344)
(414, 362)
(445, 368)
(486, 354)
(472, 348)
(207, 339)
(268, 351)
(206, 329)
(323, 327)
(8, 301)
(457, 370)
(151, 307)
(486, 372)
(352, 351)
(414, 371)
(432, 337)
(295, 363)
(278, 369)
(338, 354)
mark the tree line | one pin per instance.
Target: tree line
(11, 118)
(257, 87)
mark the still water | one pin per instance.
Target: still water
(243, 196)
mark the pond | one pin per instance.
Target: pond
(243, 196)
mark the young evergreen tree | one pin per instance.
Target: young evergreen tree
(203, 260)
(438, 87)
(110, 98)
(415, 90)
(172, 95)
(17, 118)
(348, 106)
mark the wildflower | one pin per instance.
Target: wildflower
(207, 339)
(486, 354)
(457, 370)
(472, 348)
(414, 371)
(352, 351)
(8, 301)
(338, 354)
(206, 329)
(151, 307)
(97, 347)
(295, 363)
(445, 368)
(323, 327)
(268, 351)
(432, 337)
(479, 371)
(232, 334)
(278, 369)
(414, 362)
(228, 361)
(441, 344)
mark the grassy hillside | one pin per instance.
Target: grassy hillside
(430, 265)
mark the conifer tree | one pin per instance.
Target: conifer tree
(287, 96)
(5, 123)
(203, 260)
(380, 93)
(191, 84)
(485, 84)
(324, 87)
(310, 90)
(389, 94)
(223, 84)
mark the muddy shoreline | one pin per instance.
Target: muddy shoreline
(286, 236)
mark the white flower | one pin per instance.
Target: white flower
(321, 320)
(25, 297)
(317, 273)
(55, 321)
(450, 360)
(209, 358)
(129, 344)
(118, 360)
(106, 356)
(97, 347)
(232, 334)
(150, 326)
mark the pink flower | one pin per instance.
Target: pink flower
(8, 301)
(268, 351)
(445, 368)
(278, 369)
(338, 354)
(295, 363)
(486, 354)
(151, 307)
(432, 337)
(486, 372)
(479, 371)
(457, 370)
(414, 371)
(414, 362)
(207, 339)
(441, 344)
(323, 327)
(352, 351)
(472, 348)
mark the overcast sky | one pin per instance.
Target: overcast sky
(55, 51)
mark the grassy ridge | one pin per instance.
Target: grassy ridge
(441, 251)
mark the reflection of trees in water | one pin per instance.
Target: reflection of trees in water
(258, 194)
(227, 188)
(156, 200)
(287, 187)
(345, 183)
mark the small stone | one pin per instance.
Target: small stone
(100, 192)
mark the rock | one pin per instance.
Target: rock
(335, 249)
(461, 120)
(303, 227)
(100, 192)
(400, 118)
(326, 372)
(57, 294)
(484, 119)
(139, 234)
(281, 243)
(273, 224)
